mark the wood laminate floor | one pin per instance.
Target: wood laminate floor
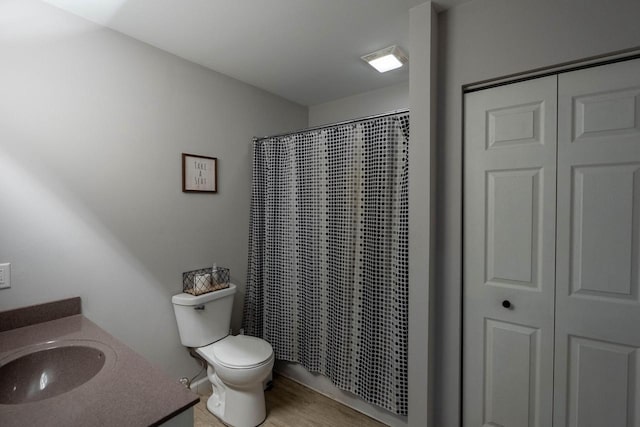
(290, 404)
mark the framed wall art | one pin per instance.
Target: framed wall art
(199, 174)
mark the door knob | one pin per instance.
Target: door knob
(506, 303)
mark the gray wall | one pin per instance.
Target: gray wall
(486, 39)
(92, 126)
(378, 101)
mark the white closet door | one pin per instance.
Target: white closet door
(597, 381)
(509, 254)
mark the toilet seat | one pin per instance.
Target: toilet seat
(238, 352)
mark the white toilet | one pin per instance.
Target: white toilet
(238, 365)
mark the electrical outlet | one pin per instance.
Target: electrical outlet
(5, 276)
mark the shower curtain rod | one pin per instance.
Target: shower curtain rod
(332, 125)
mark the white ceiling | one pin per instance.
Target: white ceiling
(307, 51)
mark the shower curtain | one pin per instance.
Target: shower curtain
(328, 254)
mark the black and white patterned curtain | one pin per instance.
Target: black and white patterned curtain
(328, 254)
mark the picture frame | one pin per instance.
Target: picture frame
(199, 174)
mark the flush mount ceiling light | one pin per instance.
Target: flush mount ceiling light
(387, 59)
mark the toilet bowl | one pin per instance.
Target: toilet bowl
(237, 365)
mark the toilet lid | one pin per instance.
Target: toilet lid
(241, 351)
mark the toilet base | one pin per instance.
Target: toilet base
(236, 407)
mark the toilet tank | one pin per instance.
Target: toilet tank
(205, 318)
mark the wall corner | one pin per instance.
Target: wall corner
(422, 51)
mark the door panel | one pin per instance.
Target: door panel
(598, 224)
(513, 227)
(512, 362)
(603, 239)
(604, 373)
(509, 254)
(514, 125)
(605, 115)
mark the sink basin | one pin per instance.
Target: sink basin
(44, 373)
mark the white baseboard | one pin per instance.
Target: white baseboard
(323, 385)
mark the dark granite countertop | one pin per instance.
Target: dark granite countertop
(128, 391)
